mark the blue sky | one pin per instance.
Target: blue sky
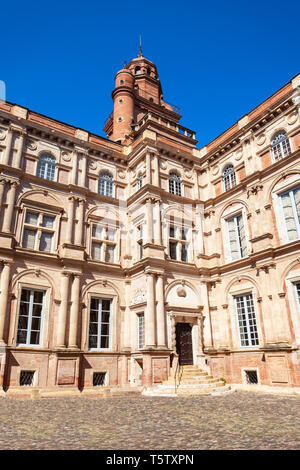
(216, 60)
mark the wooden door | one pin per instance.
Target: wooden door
(184, 344)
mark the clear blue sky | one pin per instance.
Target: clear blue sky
(216, 60)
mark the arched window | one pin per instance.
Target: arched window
(175, 184)
(138, 70)
(140, 181)
(229, 180)
(46, 167)
(106, 184)
(280, 146)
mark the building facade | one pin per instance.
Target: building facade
(122, 256)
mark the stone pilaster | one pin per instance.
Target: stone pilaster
(150, 312)
(126, 322)
(70, 222)
(5, 278)
(8, 215)
(63, 310)
(6, 157)
(160, 312)
(149, 220)
(18, 158)
(148, 168)
(79, 227)
(74, 314)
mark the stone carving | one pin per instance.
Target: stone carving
(239, 153)
(163, 165)
(92, 165)
(121, 174)
(2, 134)
(66, 156)
(215, 170)
(292, 118)
(261, 139)
(31, 145)
(181, 292)
(139, 296)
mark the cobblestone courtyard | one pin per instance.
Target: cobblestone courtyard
(241, 420)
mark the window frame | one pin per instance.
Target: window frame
(39, 229)
(100, 297)
(280, 146)
(140, 345)
(49, 164)
(42, 316)
(108, 184)
(179, 241)
(226, 220)
(231, 177)
(104, 242)
(294, 209)
(176, 182)
(244, 295)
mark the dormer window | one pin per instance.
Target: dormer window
(137, 71)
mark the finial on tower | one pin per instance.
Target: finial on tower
(140, 52)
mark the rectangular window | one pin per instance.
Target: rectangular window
(140, 241)
(103, 243)
(100, 319)
(178, 243)
(290, 202)
(38, 231)
(26, 378)
(99, 379)
(236, 235)
(141, 331)
(246, 320)
(30, 317)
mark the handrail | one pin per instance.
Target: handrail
(178, 374)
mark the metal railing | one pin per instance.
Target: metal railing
(177, 375)
(109, 118)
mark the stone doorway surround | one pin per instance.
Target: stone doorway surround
(194, 317)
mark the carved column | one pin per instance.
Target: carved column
(20, 150)
(74, 168)
(8, 215)
(156, 170)
(149, 220)
(160, 312)
(69, 228)
(150, 312)
(63, 310)
(5, 277)
(2, 188)
(74, 315)
(80, 218)
(8, 143)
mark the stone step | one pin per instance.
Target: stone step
(191, 380)
(193, 385)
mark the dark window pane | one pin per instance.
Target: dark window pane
(106, 304)
(104, 329)
(35, 337)
(93, 341)
(104, 342)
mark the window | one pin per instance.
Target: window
(178, 243)
(26, 378)
(140, 181)
(141, 331)
(290, 202)
(297, 289)
(251, 377)
(106, 184)
(30, 317)
(140, 241)
(138, 71)
(38, 233)
(99, 379)
(280, 146)
(236, 235)
(103, 243)
(229, 180)
(46, 167)
(100, 320)
(246, 320)
(175, 184)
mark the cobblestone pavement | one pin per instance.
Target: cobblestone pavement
(240, 420)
